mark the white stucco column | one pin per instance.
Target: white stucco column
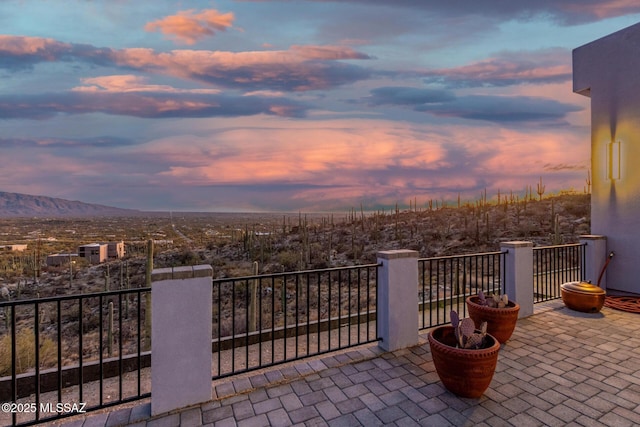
(519, 274)
(180, 337)
(595, 256)
(398, 299)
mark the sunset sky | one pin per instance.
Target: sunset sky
(294, 105)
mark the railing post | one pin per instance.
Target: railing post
(398, 299)
(181, 337)
(595, 256)
(519, 274)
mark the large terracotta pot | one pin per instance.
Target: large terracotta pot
(500, 321)
(465, 372)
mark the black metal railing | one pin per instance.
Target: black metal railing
(68, 354)
(445, 283)
(555, 265)
(264, 320)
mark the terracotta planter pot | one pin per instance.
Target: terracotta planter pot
(465, 372)
(500, 321)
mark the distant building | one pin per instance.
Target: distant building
(115, 250)
(13, 248)
(95, 253)
(56, 260)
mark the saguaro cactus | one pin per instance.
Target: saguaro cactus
(253, 301)
(106, 278)
(556, 237)
(541, 188)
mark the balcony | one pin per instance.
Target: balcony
(335, 372)
(560, 367)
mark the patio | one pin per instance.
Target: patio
(561, 367)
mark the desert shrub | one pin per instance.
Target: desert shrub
(577, 208)
(25, 352)
(289, 260)
(319, 264)
(188, 257)
(90, 320)
(217, 262)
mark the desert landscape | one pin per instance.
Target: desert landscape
(241, 245)
(278, 242)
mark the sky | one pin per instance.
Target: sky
(294, 105)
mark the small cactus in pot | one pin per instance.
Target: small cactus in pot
(494, 300)
(466, 334)
(497, 311)
(465, 358)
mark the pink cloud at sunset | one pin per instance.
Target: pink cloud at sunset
(130, 83)
(145, 104)
(189, 26)
(564, 11)
(24, 46)
(362, 157)
(509, 68)
(299, 68)
(329, 154)
(602, 10)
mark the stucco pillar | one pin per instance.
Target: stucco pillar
(180, 337)
(595, 256)
(519, 274)
(398, 299)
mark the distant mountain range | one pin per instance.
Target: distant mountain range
(24, 205)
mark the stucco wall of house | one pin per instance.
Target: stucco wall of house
(95, 253)
(608, 70)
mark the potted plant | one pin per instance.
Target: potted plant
(465, 358)
(500, 314)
